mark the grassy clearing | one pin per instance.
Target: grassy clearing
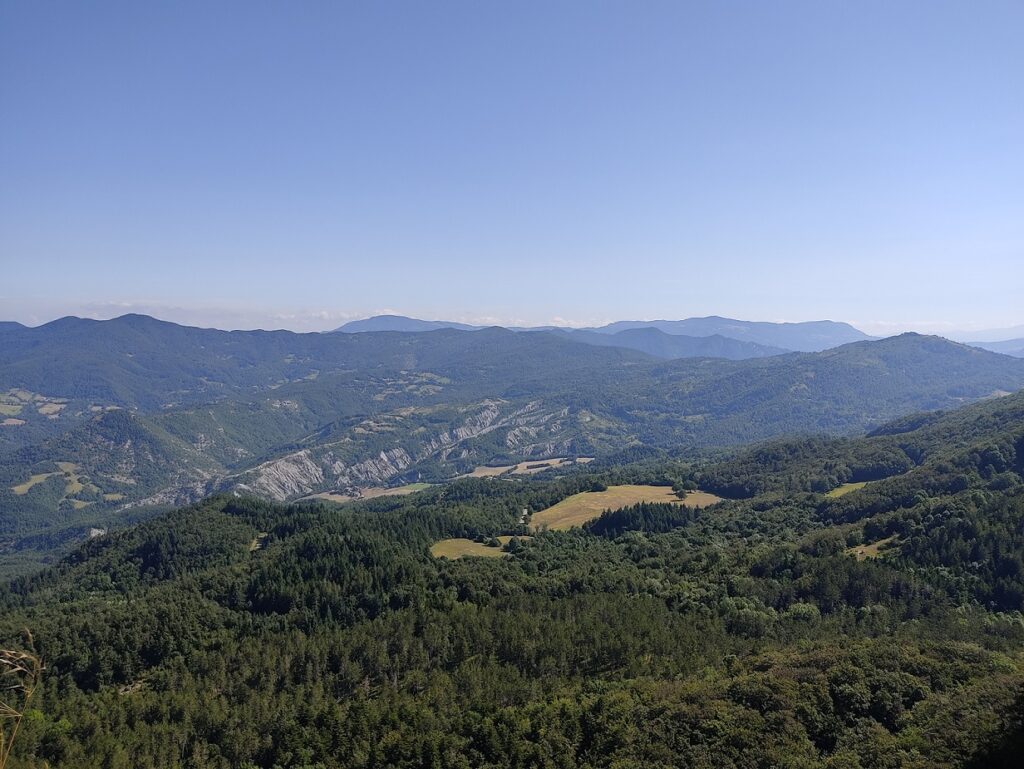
(72, 483)
(113, 497)
(23, 488)
(485, 471)
(330, 496)
(461, 548)
(10, 409)
(874, 550)
(846, 488)
(525, 468)
(12, 422)
(588, 505)
(397, 491)
(700, 499)
(539, 465)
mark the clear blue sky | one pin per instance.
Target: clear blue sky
(295, 164)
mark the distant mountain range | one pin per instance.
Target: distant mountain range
(1014, 347)
(660, 344)
(771, 338)
(400, 323)
(101, 417)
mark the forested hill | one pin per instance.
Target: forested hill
(138, 361)
(988, 433)
(788, 629)
(810, 336)
(402, 407)
(661, 345)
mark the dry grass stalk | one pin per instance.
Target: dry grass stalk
(20, 672)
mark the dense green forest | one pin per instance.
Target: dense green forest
(154, 415)
(785, 626)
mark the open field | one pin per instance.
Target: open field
(460, 548)
(585, 506)
(874, 550)
(846, 488)
(24, 488)
(485, 471)
(72, 483)
(371, 492)
(331, 497)
(12, 422)
(397, 491)
(539, 465)
(10, 409)
(525, 468)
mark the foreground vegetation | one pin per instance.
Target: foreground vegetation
(743, 635)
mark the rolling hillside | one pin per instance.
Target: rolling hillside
(791, 625)
(386, 408)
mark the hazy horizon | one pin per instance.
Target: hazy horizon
(306, 321)
(264, 165)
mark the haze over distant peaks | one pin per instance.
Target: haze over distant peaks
(810, 336)
(1014, 347)
(772, 338)
(400, 323)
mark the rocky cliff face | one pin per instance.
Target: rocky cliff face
(348, 463)
(384, 447)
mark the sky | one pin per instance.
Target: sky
(297, 165)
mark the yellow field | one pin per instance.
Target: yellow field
(588, 505)
(113, 497)
(486, 472)
(846, 488)
(23, 488)
(10, 409)
(538, 465)
(874, 550)
(460, 548)
(12, 422)
(371, 492)
(50, 409)
(525, 468)
(72, 482)
(397, 491)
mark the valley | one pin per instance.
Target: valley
(861, 620)
(474, 385)
(334, 414)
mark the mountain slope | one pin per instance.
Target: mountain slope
(812, 336)
(752, 633)
(655, 342)
(1014, 347)
(399, 323)
(138, 361)
(429, 406)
